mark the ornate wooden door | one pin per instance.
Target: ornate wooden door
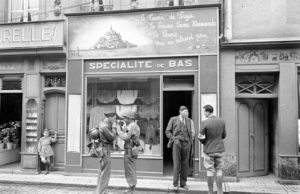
(252, 127)
(55, 121)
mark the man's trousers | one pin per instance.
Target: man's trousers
(104, 171)
(130, 168)
(181, 154)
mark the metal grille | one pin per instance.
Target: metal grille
(255, 84)
(11, 84)
(55, 81)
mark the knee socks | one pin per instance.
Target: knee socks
(219, 184)
(210, 183)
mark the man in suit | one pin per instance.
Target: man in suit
(212, 133)
(181, 132)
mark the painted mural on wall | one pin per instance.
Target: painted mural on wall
(180, 31)
(267, 56)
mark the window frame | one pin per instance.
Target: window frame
(126, 76)
(24, 11)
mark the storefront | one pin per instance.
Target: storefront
(259, 64)
(168, 58)
(265, 98)
(32, 68)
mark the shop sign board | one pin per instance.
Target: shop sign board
(29, 35)
(13, 66)
(144, 64)
(164, 32)
(267, 56)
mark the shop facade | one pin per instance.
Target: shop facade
(260, 85)
(32, 71)
(168, 58)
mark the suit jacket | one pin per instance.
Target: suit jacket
(214, 130)
(174, 126)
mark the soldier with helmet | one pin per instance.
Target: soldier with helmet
(104, 135)
(130, 133)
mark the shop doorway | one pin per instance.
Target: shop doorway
(10, 128)
(253, 127)
(55, 121)
(172, 100)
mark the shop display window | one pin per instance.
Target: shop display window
(140, 94)
(10, 121)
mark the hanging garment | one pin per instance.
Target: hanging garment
(143, 124)
(149, 96)
(106, 96)
(126, 97)
(120, 109)
(97, 114)
(152, 133)
(148, 111)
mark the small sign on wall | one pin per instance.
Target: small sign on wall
(211, 99)
(74, 119)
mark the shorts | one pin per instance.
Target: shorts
(213, 162)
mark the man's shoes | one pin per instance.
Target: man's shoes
(185, 187)
(175, 187)
(130, 191)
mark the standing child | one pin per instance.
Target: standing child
(45, 149)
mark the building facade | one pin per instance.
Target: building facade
(164, 61)
(259, 84)
(63, 63)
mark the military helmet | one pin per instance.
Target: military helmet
(94, 133)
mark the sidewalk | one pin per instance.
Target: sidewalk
(257, 185)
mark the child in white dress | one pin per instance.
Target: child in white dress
(45, 149)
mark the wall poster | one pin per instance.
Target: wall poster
(74, 119)
(211, 99)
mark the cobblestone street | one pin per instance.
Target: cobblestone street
(44, 189)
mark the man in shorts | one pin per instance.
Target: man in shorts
(211, 135)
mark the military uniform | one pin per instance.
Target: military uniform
(107, 134)
(131, 139)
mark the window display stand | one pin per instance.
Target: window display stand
(30, 142)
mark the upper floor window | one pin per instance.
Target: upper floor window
(23, 10)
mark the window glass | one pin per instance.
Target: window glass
(24, 10)
(140, 94)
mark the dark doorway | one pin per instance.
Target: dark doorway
(172, 100)
(10, 127)
(10, 107)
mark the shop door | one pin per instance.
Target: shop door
(252, 126)
(172, 100)
(55, 121)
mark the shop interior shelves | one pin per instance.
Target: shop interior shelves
(31, 126)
